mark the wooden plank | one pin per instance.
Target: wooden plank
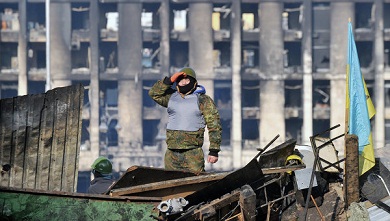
(45, 142)
(70, 141)
(40, 138)
(67, 166)
(72, 136)
(222, 202)
(27, 169)
(248, 203)
(19, 142)
(34, 107)
(66, 138)
(6, 106)
(202, 212)
(79, 109)
(208, 214)
(56, 174)
(138, 175)
(282, 169)
(167, 184)
(174, 192)
(237, 217)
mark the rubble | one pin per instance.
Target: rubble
(259, 191)
(265, 189)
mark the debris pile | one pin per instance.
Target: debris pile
(288, 182)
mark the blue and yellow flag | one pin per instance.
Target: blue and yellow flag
(360, 108)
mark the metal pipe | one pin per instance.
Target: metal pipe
(47, 17)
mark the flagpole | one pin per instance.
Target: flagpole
(48, 75)
(346, 88)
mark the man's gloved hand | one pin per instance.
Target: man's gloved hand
(175, 76)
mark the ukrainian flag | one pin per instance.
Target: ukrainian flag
(360, 108)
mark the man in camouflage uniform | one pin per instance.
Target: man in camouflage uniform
(190, 110)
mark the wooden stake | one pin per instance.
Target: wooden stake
(351, 171)
(318, 209)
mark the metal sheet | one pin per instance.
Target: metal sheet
(303, 176)
(379, 214)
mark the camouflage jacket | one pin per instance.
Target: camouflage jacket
(161, 93)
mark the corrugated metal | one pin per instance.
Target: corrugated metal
(40, 139)
(378, 214)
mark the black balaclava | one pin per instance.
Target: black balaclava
(186, 89)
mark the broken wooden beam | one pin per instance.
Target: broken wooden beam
(207, 211)
(177, 187)
(187, 185)
(248, 203)
(282, 169)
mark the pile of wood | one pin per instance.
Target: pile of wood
(249, 193)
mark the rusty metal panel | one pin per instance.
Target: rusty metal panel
(40, 139)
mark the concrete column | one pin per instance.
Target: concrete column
(130, 76)
(94, 86)
(201, 48)
(165, 38)
(201, 39)
(307, 129)
(60, 42)
(379, 131)
(22, 49)
(271, 43)
(236, 124)
(339, 15)
(165, 30)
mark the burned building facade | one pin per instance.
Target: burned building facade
(272, 67)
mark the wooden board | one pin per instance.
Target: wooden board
(40, 139)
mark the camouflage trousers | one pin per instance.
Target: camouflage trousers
(188, 160)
